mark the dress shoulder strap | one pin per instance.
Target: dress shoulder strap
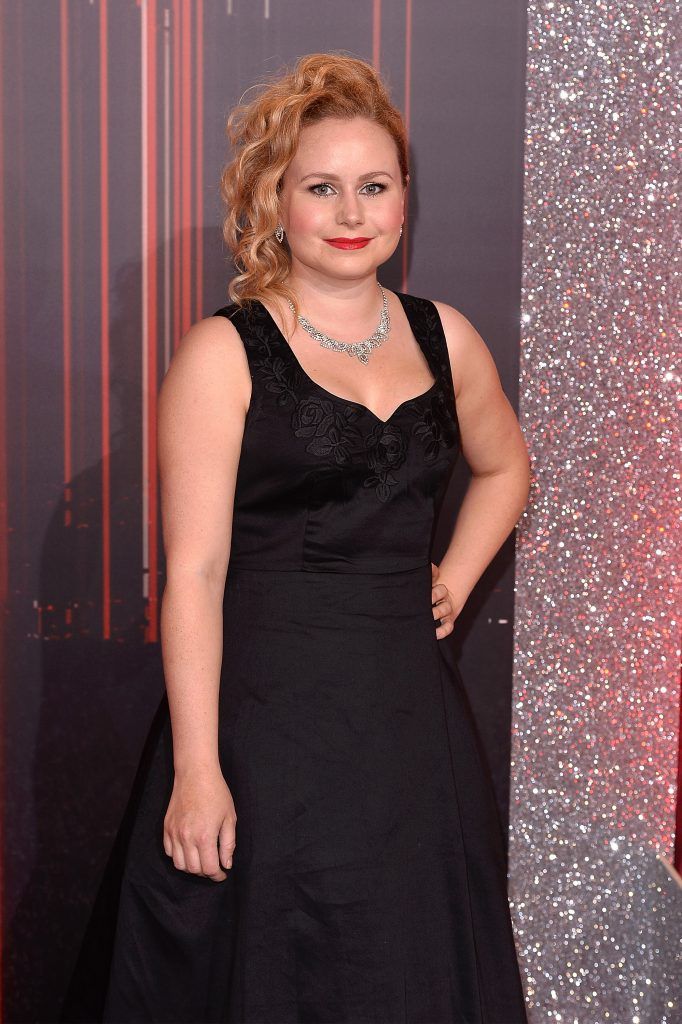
(231, 312)
(273, 373)
(428, 329)
(248, 325)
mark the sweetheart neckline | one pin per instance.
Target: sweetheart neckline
(359, 405)
(350, 401)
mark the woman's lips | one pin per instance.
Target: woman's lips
(348, 243)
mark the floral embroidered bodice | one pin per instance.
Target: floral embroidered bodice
(323, 483)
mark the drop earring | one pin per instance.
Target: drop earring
(279, 233)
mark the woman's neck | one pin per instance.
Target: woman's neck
(345, 303)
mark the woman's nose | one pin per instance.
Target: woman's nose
(350, 209)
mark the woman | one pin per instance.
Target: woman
(317, 837)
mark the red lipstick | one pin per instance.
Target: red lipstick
(348, 243)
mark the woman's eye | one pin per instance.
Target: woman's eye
(375, 184)
(324, 184)
(370, 185)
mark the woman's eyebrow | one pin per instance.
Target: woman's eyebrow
(335, 177)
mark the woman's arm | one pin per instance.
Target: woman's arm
(496, 453)
(201, 413)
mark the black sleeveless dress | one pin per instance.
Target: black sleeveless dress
(369, 880)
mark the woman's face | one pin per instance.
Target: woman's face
(344, 182)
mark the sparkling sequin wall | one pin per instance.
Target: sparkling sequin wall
(596, 904)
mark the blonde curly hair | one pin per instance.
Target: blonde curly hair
(265, 133)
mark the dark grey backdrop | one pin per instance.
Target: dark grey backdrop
(78, 706)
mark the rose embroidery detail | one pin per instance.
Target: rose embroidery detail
(280, 377)
(437, 427)
(332, 432)
(328, 426)
(386, 451)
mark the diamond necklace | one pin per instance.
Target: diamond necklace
(361, 349)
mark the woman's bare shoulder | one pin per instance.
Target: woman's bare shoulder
(210, 357)
(212, 334)
(466, 347)
(458, 329)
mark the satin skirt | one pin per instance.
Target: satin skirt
(369, 879)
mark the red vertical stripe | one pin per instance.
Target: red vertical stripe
(66, 254)
(104, 328)
(199, 147)
(177, 224)
(80, 251)
(408, 87)
(186, 165)
(376, 35)
(152, 318)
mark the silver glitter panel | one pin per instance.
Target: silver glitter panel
(596, 903)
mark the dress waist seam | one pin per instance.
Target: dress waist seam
(302, 570)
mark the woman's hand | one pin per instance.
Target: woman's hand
(444, 604)
(199, 827)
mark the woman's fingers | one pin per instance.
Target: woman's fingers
(197, 858)
(199, 825)
(208, 854)
(439, 600)
(192, 857)
(441, 605)
(446, 627)
(226, 843)
(442, 608)
(204, 856)
(178, 855)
